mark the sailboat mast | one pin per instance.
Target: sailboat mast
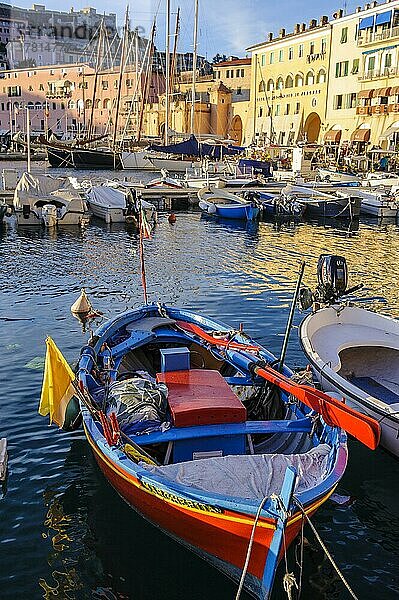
(167, 75)
(93, 99)
(194, 68)
(121, 67)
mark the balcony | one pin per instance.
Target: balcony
(393, 108)
(58, 94)
(367, 37)
(380, 109)
(379, 74)
(363, 110)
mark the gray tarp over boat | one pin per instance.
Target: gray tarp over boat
(248, 476)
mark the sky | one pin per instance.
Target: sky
(225, 26)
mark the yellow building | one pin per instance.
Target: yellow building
(221, 103)
(289, 85)
(363, 98)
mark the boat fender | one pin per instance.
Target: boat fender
(172, 218)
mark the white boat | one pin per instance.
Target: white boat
(376, 203)
(380, 178)
(49, 201)
(174, 165)
(335, 175)
(137, 160)
(166, 181)
(355, 353)
(116, 203)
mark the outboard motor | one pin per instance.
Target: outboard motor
(49, 215)
(332, 278)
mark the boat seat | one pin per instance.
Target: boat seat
(330, 340)
(372, 387)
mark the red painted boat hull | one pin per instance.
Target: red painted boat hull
(222, 535)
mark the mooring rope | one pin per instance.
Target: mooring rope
(322, 544)
(249, 549)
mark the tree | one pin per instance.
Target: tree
(219, 58)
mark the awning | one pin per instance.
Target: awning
(334, 135)
(383, 18)
(365, 94)
(361, 135)
(390, 131)
(382, 92)
(366, 23)
(395, 91)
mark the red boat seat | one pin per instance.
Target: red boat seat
(201, 397)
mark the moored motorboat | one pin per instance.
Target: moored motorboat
(222, 203)
(118, 203)
(337, 175)
(49, 201)
(354, 353)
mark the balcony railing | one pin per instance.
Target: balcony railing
(394, 108)
(370, 37)
(59, 94)
(363, 110)
(379, 73)
(380, 109)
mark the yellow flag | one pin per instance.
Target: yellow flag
(57, 389)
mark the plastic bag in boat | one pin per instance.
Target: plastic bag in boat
(139, 402)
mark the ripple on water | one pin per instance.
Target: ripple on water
(63, 531)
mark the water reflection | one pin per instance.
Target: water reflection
(60, 522)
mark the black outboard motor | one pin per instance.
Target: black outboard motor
(332, 277)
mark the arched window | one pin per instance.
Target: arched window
(16, 104)
(262, 86)
(97, 103)
(270, 85)
(280, 83)
(299, 80)
(80, 104)
(71, 104)
(321, 76)
(309, 78)
(289, 82)
(107, 103)
(88, 103)
(38, 106)
(30, 105)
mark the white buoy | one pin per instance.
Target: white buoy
(3, 458)
(82, 305)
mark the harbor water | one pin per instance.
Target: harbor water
(64, 532)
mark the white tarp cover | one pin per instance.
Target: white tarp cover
(248, 476)
(107, 197)
(31, 188)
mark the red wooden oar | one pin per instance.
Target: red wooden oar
(334, 412)
(192, 328)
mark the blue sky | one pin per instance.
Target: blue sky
(225, 26)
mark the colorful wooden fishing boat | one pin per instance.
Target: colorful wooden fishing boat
(200, 436)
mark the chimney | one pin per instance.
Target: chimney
(270, 36)
(297, 28)
(282, 33)
(359, 9)
(323, 20)
(312, 23)
(367, 6)
(303, 27)
(374, 4)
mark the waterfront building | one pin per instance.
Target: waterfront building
(220, 108)
(363, 98)
(60, 98)
(38, 36)
(289, 85)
